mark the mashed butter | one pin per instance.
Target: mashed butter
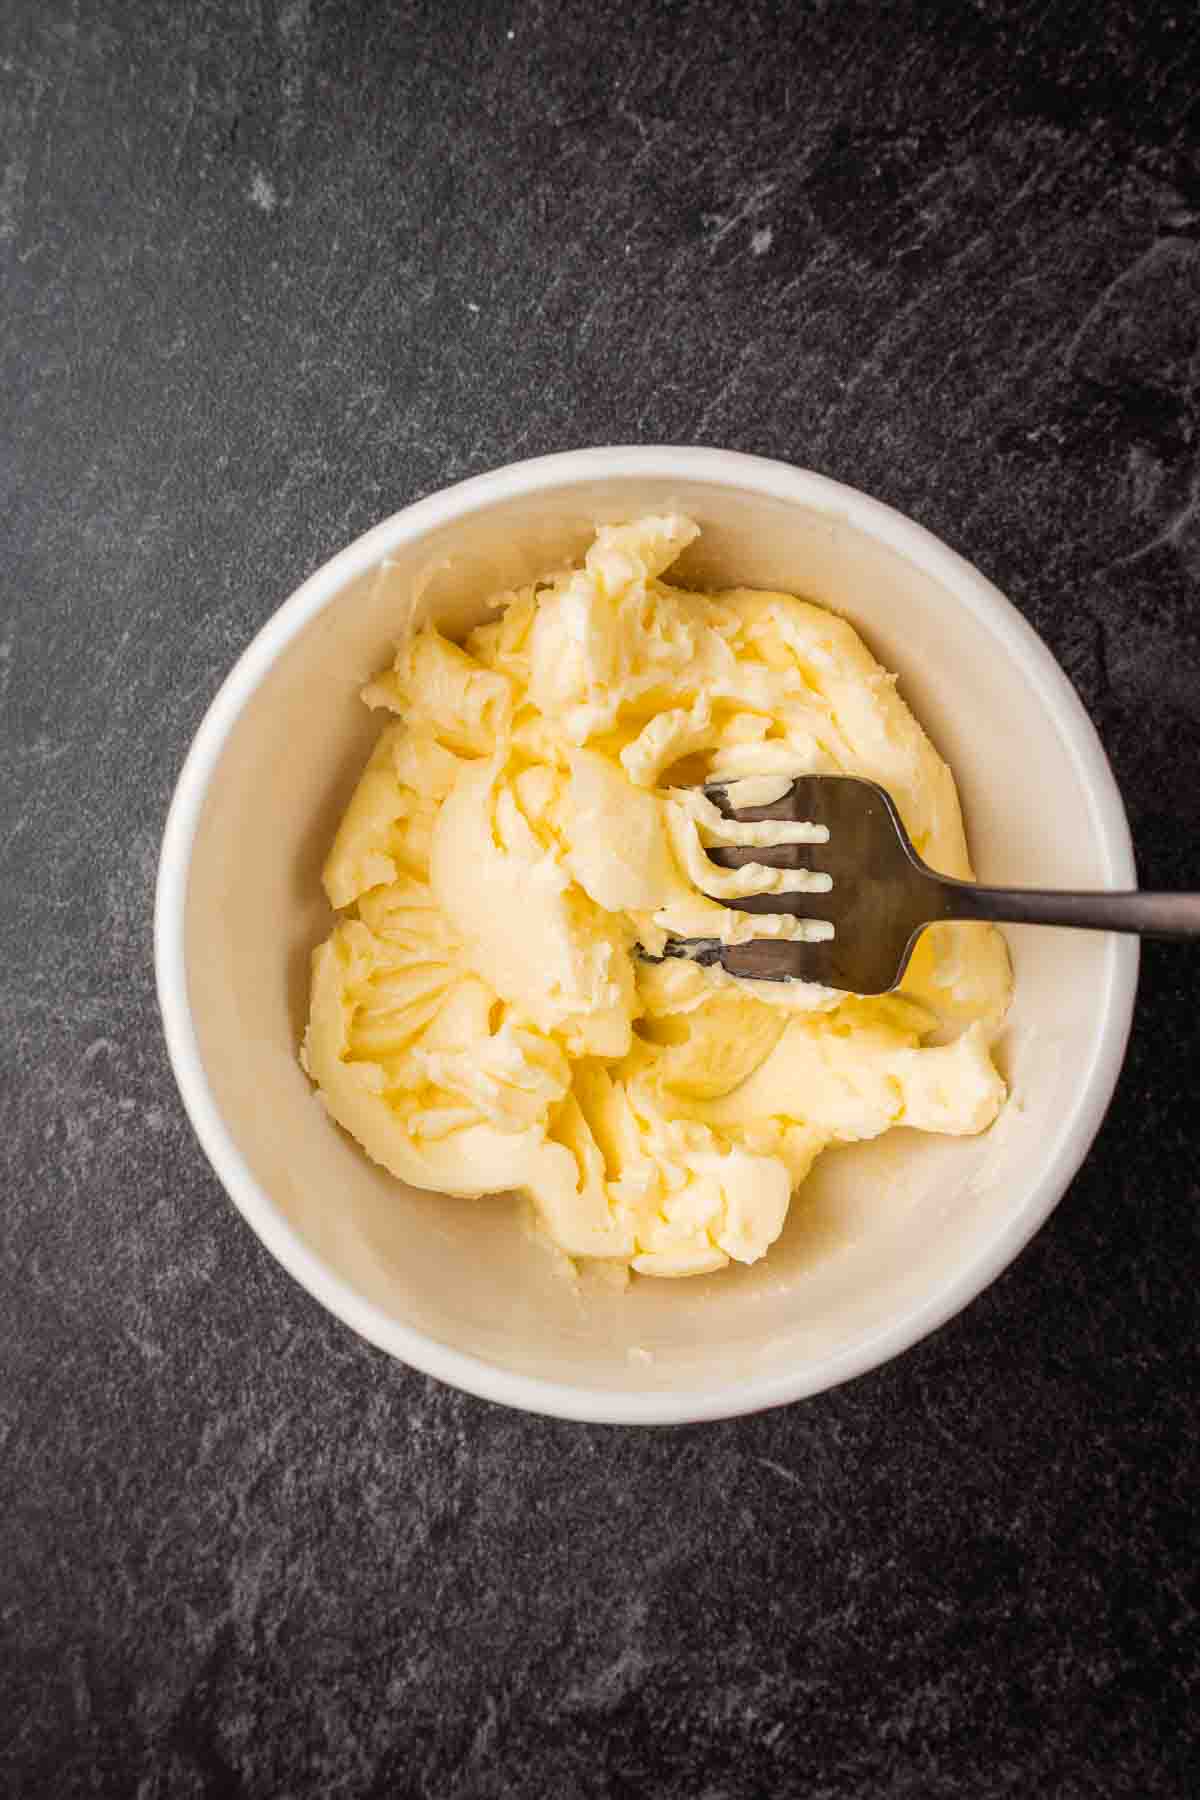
(481, 1018)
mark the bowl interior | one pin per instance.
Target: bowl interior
(880, 1230)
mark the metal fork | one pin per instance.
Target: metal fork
(884, 896)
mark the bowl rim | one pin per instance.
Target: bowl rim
(766, 478)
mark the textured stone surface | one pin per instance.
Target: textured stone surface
(269, 272)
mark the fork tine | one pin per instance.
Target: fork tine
(770, 959)
(774, 856)
(784, 808)
(797, 906)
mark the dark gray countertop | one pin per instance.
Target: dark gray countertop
(270, 271)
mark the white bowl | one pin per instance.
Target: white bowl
(886, 1240)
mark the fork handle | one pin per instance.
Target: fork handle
(1149, 915)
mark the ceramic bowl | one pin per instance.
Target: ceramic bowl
(886, 1240)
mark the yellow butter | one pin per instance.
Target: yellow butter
(480, 1016)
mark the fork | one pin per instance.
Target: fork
(884, 896)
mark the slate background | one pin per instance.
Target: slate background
(269, 273)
